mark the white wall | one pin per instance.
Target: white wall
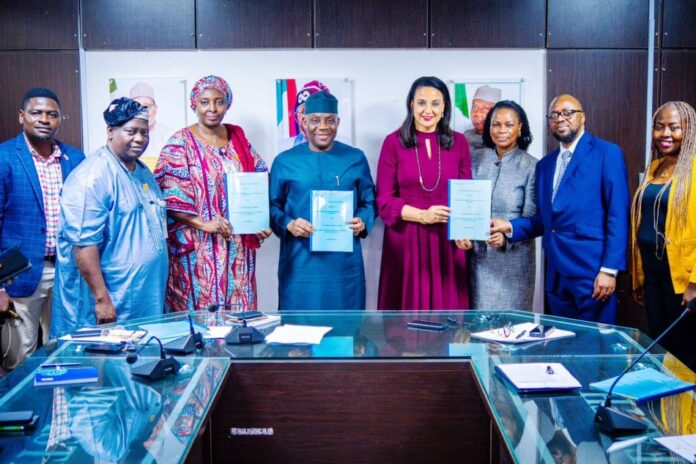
(381, 79)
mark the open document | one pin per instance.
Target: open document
(538, 377)
(521, 333)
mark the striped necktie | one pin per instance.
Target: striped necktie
(565, 159)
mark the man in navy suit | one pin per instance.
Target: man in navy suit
(33, 167)
(582, 214)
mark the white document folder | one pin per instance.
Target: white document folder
(538, 377)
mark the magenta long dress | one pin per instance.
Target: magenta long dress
(421, 268)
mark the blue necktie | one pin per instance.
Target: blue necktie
(565, 159)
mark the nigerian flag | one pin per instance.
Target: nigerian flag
(460, 99)
(112, 86)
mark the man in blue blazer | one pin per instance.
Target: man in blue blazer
(33, 167)
(582, 214)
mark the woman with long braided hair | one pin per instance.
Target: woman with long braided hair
(663, 231)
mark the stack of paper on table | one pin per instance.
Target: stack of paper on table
(113, 336)
(683, 445)
(532, 377)
(290, 334)
(520, 334)
(644, 385)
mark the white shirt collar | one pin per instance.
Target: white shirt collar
(571, 147)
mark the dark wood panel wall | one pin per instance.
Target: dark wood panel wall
(39, 47)
(678, 58)
(38, 24)
(371, 24)
(138, 25)
(254, 24)
(485, 24)
(678, 29)
(597, 49)
(598, 24)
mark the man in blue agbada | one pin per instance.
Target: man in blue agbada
(112, 256)
(319, 280)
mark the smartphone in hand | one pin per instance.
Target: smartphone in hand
(12, 263)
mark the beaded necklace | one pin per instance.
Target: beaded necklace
(439, 169)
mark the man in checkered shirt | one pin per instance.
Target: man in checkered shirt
(33, 167)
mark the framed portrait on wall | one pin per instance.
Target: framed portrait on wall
(473, 98)
(291, 93)
(167, 103)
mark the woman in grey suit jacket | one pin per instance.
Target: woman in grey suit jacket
(503, 278)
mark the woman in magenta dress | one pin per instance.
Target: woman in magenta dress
(421, 268)
(208, 262)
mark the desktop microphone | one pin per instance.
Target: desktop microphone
(186, 344)
(153, 370)
(243, 335)
(213, 307)
(610, 420)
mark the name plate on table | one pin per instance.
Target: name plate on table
(247, 201)
(470, 209)
(331, 212)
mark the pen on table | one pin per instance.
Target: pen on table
(521, 334)
(13, 428)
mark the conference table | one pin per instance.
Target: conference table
(374, 390)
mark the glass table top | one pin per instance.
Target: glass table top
(385, 334)
(118, 419)
(533, 427)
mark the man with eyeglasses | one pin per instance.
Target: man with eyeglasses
(582, 214)
(33, 167)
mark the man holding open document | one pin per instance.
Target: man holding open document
(322, 202)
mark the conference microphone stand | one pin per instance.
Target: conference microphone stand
(154, 370)
(610, 420)
(243, 335)
(186, 344)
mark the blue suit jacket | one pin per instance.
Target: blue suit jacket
(586, 227)
(22, 218)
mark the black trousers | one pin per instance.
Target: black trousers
(663, 306)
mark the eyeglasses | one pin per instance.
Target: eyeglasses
(567, 114)
(506, 330)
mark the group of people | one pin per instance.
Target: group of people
(110, 240)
